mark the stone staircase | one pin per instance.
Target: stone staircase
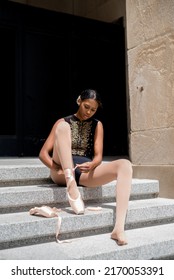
(25, 183)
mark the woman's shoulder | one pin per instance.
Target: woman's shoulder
(68, 118)
(96, 120)
(57, 122)
(96, 123)
(63, 119)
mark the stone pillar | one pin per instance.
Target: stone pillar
(150, 51)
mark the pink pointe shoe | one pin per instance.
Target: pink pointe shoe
(45, 211)
(76, 204)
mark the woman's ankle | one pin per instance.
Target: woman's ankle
(71, 183)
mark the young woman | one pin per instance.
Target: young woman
(73, 152)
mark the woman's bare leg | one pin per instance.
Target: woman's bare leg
(106, 172)
(124, 180)
(62, 155)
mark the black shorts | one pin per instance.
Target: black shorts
(79, 160)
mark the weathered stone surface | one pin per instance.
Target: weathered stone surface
(163, 173)
(104, 10)
(152, 101)
(148, 19)
(151, 80)
(153, 147)
(150, 43)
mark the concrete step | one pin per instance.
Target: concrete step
(25, 182)
(20, 198)
(155, 242)
(18, 229)
(19, 171)
(31, 171)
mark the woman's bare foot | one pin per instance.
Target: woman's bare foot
(119, 237)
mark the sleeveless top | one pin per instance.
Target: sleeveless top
(82, 134)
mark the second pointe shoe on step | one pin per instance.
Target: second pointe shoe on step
(76, 204)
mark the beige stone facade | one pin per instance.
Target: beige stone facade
(149, 35)
(150, 52)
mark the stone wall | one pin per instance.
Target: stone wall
(104, 10)
(150, 52)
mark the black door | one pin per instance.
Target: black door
(8, 94)
(47, 59)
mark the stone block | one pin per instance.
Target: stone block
(153, 147)
(151, 86)
(147, 20)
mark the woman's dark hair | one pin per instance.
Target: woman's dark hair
(91, 94)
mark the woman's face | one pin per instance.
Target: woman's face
(87, 108)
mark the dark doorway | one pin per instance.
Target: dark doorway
(47, 59)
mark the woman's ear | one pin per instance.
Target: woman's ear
(78, 100)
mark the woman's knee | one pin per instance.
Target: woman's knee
(125, 166)
(62, 127)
